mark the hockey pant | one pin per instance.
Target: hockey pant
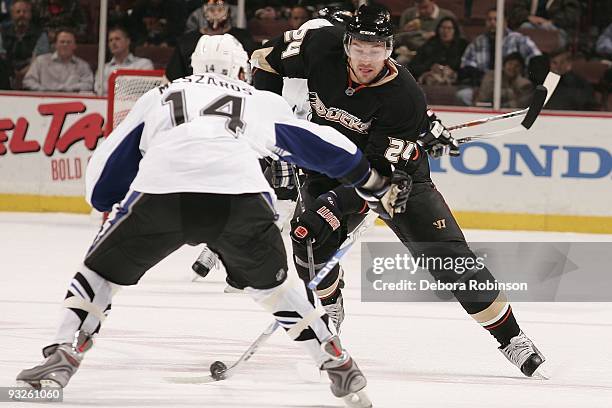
(145, 228)
(429, 229)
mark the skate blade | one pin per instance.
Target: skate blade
(542, 372)
(231, 289)
(42, 384)
(357, 399)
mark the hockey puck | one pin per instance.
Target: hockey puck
(200, 269)
(217, 370)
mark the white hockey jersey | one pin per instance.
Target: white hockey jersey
(205, 133)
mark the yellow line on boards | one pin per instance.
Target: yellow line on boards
(467, 219)
(37, 203)
(533, 222)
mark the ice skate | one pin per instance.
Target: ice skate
(523, 353)
(347, 380)
(61, 362)
(207, 261)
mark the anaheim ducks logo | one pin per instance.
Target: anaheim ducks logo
(344, 118)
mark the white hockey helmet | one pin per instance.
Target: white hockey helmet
(221, 54)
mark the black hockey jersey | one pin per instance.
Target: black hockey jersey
(384, 118)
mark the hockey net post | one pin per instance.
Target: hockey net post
(125, 86)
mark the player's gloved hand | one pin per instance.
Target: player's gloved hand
(437, 141)
(391, 198)
(318, 222)
(282, 174)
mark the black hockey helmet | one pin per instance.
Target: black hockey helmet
(370, 23)
(335, 15)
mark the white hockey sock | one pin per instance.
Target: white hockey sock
(299, 312)
(86, 305)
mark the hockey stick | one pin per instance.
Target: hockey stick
(531, 112)
(541, 96)
(309, 251)
(346, 245)
(219, 370)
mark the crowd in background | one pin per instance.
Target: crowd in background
(448, 45)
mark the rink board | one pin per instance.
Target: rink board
(556, 177)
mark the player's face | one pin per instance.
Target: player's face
(367, 59)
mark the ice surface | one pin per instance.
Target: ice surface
(415, 355)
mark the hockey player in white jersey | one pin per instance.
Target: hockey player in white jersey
(295, 92)
(183, 168)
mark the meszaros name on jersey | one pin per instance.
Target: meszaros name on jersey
(209, 80)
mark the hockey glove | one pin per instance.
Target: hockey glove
(282, 174)
(391, 199)
(438, 141)
(318, 221)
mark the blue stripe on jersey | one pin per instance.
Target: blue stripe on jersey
(311, 152)
(119, 172)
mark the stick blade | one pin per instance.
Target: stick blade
(550, 83)
(537, 103)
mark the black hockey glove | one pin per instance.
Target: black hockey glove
(282, 174)
(318, 221)
(390, 199)
(438, 141)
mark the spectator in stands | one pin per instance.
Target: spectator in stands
(479, 55)
(159, 22)
(218, 22)
(266, 13)
(5, 7)
(552, 15)
(119, 43)
(21, 39)
(118, 13)
(572, 92)
(192, 5)
(440, 55)
(298, 16)
(60, 71)
(197, 19)
(604, 44)
(515, 90)
(54, 14)
(418, 23)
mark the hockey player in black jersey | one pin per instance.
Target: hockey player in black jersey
(356, 88)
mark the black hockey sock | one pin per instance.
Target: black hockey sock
(328, 300)
(495, 316)
(505, 328)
